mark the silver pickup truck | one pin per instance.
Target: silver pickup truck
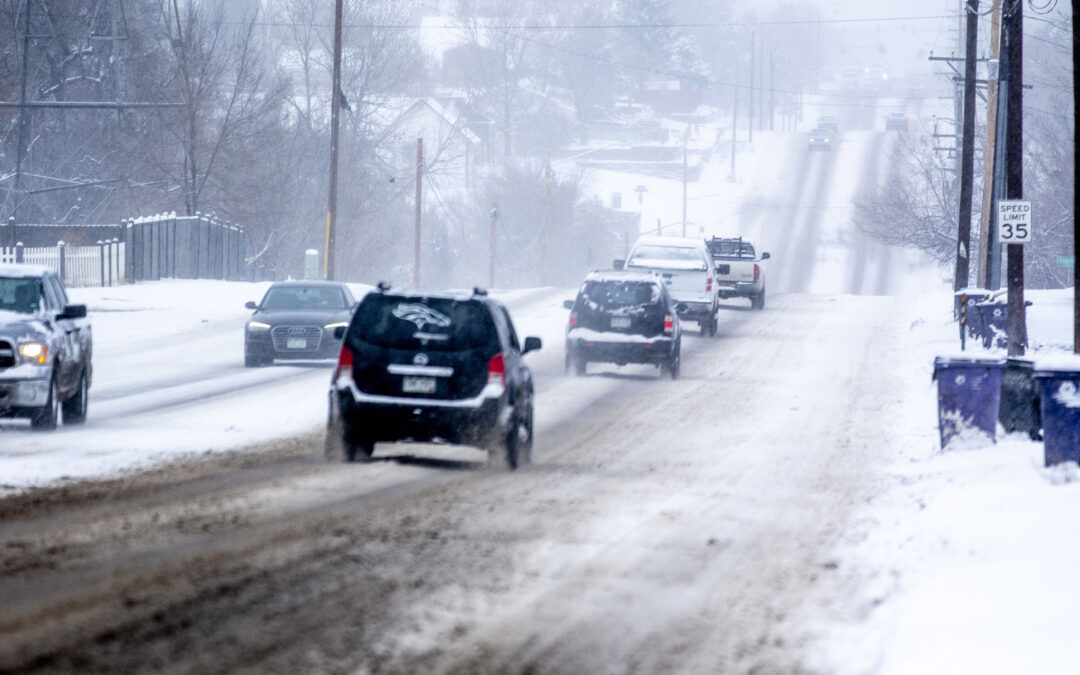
(687, 271)
(739, 272)
(45, 349)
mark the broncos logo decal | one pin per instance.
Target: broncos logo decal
(421, 315)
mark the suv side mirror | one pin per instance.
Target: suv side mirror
(765, 255)
(72, 312)
(250, 304)
(681, 308)
(339, 332)
(568, 304)
(618, 264)
(532, 344)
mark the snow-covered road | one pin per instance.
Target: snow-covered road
(666, 525)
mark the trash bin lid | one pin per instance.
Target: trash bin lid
(973, 291)
(967, 359)
(1048, 366)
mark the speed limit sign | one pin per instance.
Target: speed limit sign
(1014, 222)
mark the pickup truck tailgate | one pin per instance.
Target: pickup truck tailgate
(730, 271)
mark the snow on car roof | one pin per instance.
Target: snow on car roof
(680, 242)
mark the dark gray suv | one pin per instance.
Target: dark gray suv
(45, 349)
(430, 367)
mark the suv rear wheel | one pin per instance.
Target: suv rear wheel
(340, 445)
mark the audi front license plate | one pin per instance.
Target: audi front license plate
(296, 343)
(418, 385)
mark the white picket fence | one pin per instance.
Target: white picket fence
(78, 265)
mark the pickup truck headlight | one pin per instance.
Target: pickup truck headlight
(257, 326)
(35, 352)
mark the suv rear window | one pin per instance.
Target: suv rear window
(616, 294)
(423, 323)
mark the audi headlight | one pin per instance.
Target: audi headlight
(338, 324)
(35, 352)
(257, 326)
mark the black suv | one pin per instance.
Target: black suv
(45, 349)
(623, 317)
(418, 366)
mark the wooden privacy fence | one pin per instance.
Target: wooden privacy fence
(185, 247)
(99, 265)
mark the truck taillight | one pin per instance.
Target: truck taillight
(757, 272)
(344, 364)
(573, 319)
(497, 370)
(669, 324)
(708, 284)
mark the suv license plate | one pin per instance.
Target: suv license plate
(418, 385)
(296, 343)
(620, 322)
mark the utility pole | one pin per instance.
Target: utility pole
(24, 123)
(1014, 155)
(751, 114)
(335, 108)
(761, 87)
(734, 119)
(1076, 197)
(967, 162)
(545, 225)
(772, 87)
(419, 204)
(491, 241)
(685, 139)
(987, 239)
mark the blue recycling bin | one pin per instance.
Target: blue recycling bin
(994, 322)
(1059, 389)
(971, 297)
(969, 394)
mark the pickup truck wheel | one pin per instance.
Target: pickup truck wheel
(45, 417)
(75, 407)
(758, 301)
(672, 366)
(579, 366)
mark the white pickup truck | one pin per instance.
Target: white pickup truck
(687, 271)
(739, 272)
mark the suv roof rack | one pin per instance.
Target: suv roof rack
(477, 290)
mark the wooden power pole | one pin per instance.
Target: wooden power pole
(1014, 167)
(419, 205)
(967, 151)
(335, 108)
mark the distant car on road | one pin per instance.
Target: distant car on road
(623, 317)
(820, 139)
(296, 320)
(896, 121)
(425, 367)
(45, 349)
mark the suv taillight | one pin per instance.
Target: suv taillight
(708, 284)
(344, 364)
(757, 272)
(669, 324)
(497, 370)
(573, 319)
